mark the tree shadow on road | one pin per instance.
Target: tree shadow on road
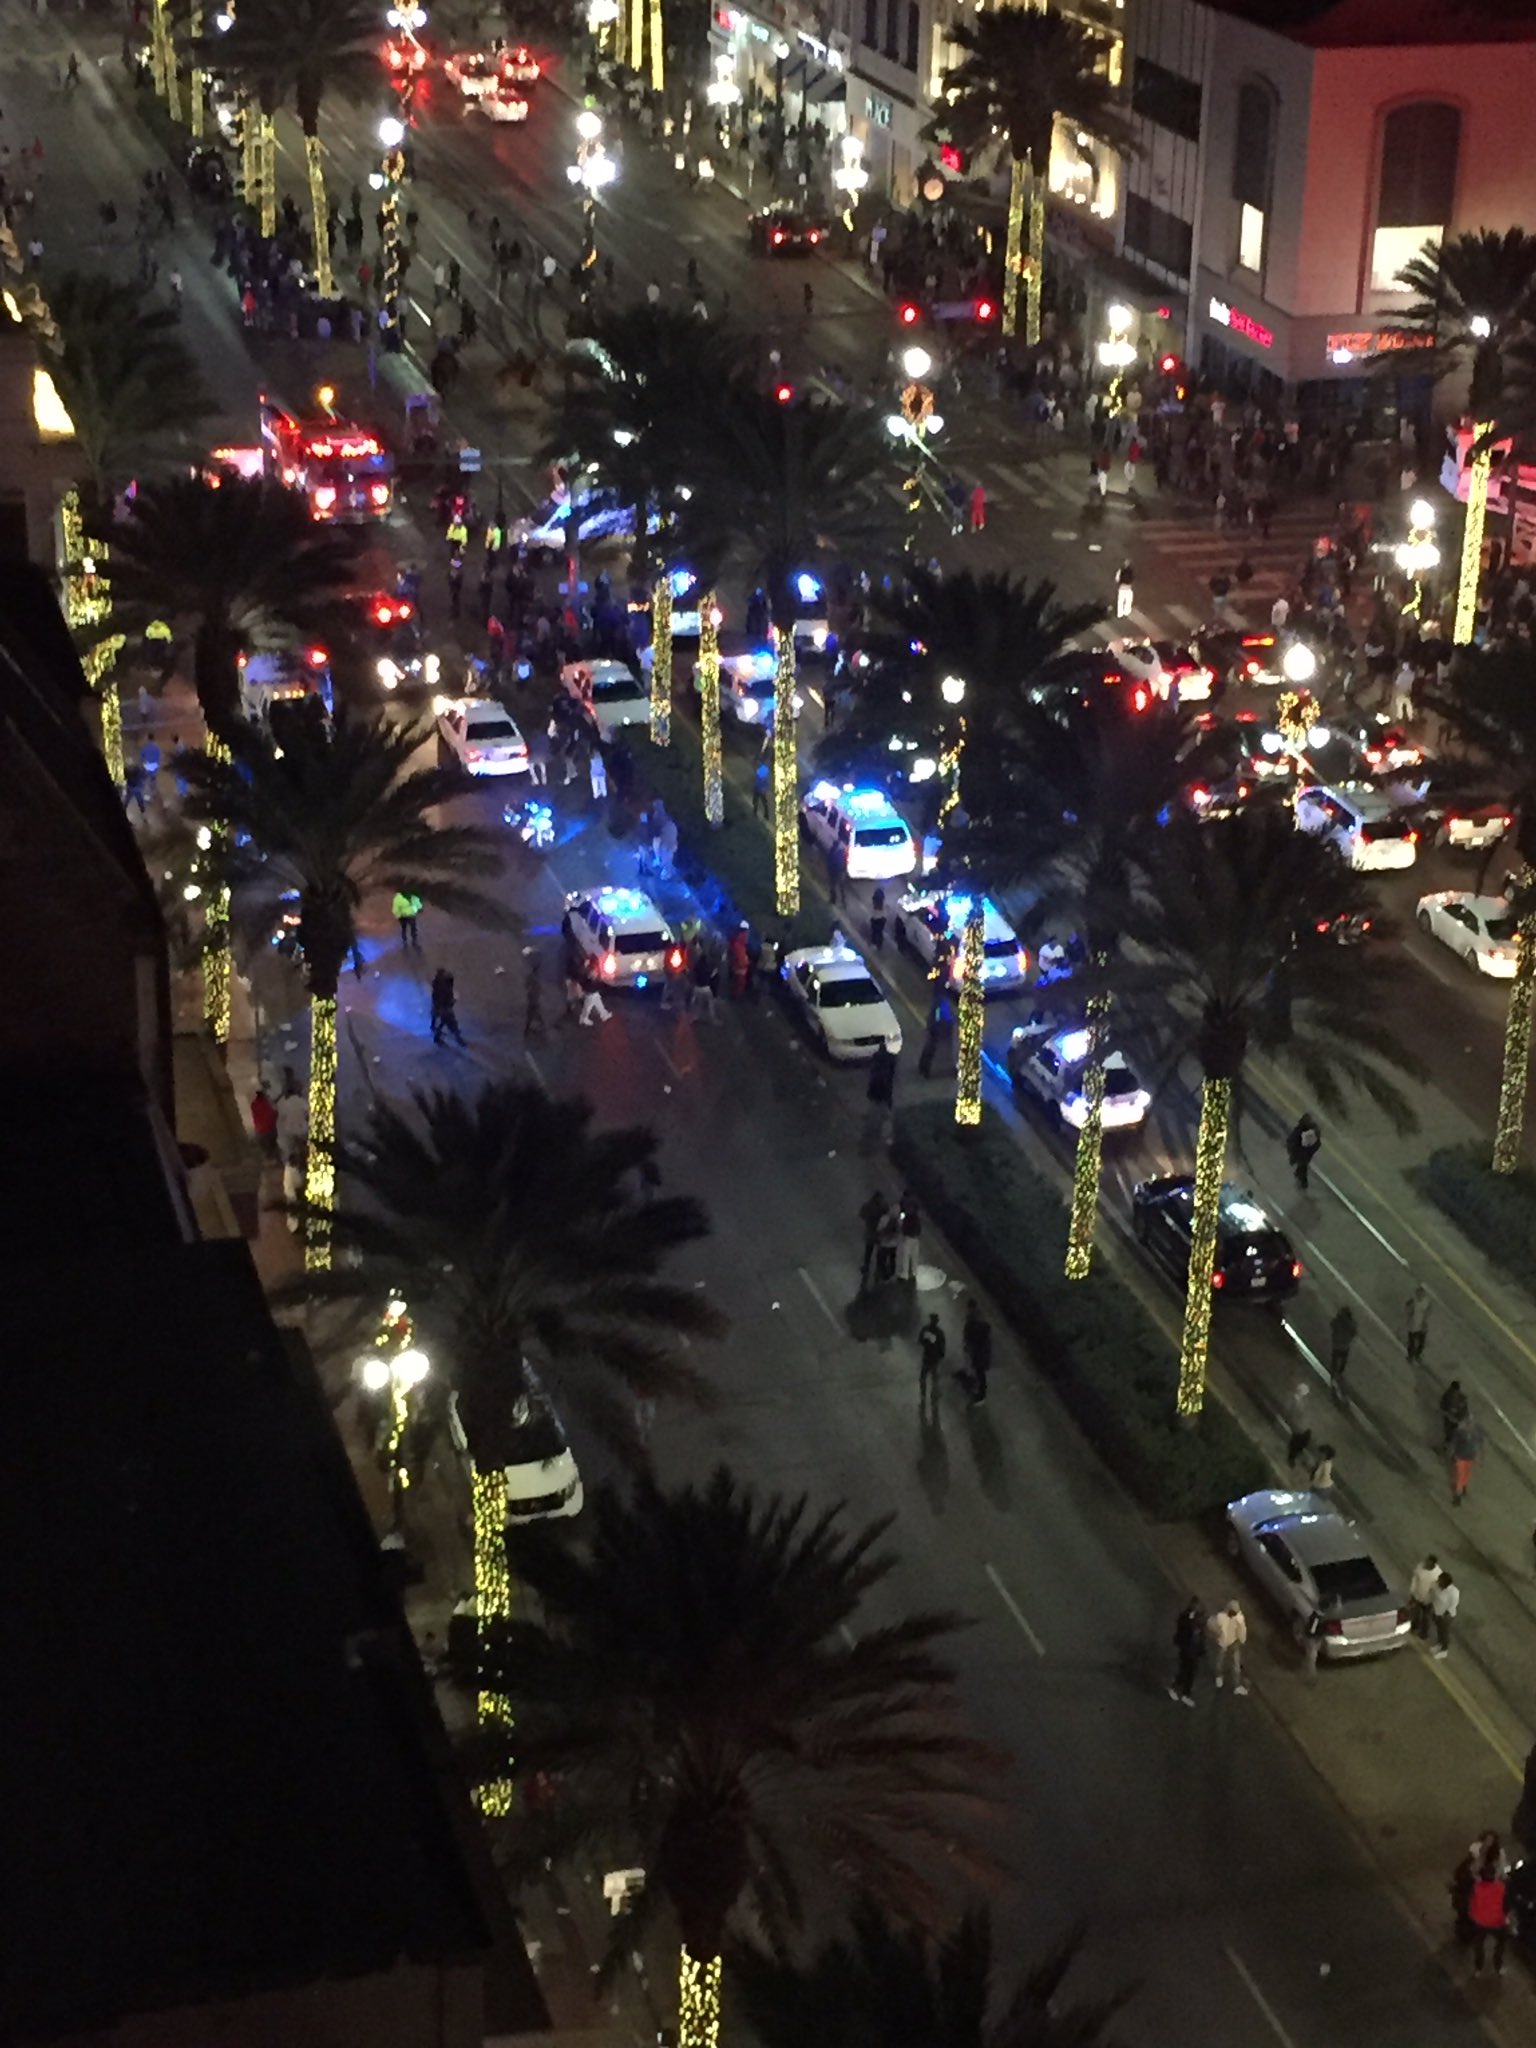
(987, 1454)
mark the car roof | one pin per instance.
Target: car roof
(994, 924)
(832, 963)
(1485, 906)
(603, 671)
(620, 906)
(864, 806)
(1365, 798)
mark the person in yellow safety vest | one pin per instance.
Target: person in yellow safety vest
(407, 908)
(457, 535)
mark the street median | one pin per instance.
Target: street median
(1495, 1212)
(1108, 1361)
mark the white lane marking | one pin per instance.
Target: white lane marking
(538, 1071)
(1362, 1219)
(1246, 1976)
(1063, 533)
(1016, 1611)
(820, 1299)
(678, 1071)
(1305, 1349)
(1184, 616)
(816, 697)
(847, 1635)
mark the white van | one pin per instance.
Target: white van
(542, 1481)
(1361, 821)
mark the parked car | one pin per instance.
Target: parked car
(1254, 1259)
(541, 1476)
(778, 231)
(839, 1002)
(1309, 1558)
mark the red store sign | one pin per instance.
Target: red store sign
(1241, 323)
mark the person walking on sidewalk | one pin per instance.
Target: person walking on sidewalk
(407, 908)
(1125, 590)
(1188, 1651)
(1228, 1630)
(1342, 1332)
(1302, 1147)
(1421, 1596)
(1466, 1447)
(910, 1239)
(1454, 1410)
(264, 1122)
(1416, 1322)
(597, 771)
(593, 1009)
(1445, 1605)
(932, 1346)
(1298, 1413)
(1320, 1479)
(445, 1015)
(1488, 1914)
(1314, 1633)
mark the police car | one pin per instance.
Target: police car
(863, 826)
(610, 694)
(839, 1002)
(481, 736)
(927, 919)
(746, 687)
(1049, 1064)
(624, 933)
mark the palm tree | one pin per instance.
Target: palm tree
(309, 48)
(884, 1986)
(334, 813)
(1475, 298)
(707, 1689)
(509, 1224)
(1491, 701)
(1232, 951)
(638, 381)
(1024, 68)
(953, 660)
(251, 54)
(790, 482)
(132, 392)
(1084, 791)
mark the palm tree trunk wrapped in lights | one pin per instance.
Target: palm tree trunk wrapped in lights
(314, 165)
(172, 74)
(1035, 279)
(786, 778)
(1210, 1158)
(698, 1999)
(493, 1603)
(1472, 535)
(268, 134)
(87, 606)
(709, 708)
(319, 1165)
(1087, 1163)
(973, 1014)
(1013, 249)
(218, 964)
(250, 152)
(661, 661)
(636, 34)
(195, 99)
(658, 49)
(1509, 1129)
(157, 51)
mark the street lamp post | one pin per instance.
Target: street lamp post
(1418, 556)
(592, 171)
(723, 94)
(952, 690)
(913, 424)
(850, 176)
(1118, 352)
(398, 1374)
(391, 174)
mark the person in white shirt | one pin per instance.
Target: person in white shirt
(1279, 613)
(1228, 1630)
(1421, 1593)
(1445, 1602)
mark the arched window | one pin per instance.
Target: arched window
(1416, 188)
(1253, 156)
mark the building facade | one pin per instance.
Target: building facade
(1285, 174)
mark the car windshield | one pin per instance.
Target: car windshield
(1350, 1579)
(854, 992)
(492, 729)
(637, 942)
(1000, 949)
(1118, 1078)
(1258, 1244)
(613, 689)
(880, 835)
(537, 1440)
(1385, 828)
(1501, 930)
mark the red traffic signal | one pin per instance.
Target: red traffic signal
(908, 313)
(1168, 364)
(950, 157)
(784, 393)
(986, 309)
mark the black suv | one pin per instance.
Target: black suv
(778, 232)
(1254, 1260)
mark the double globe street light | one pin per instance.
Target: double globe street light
(914, 423)
(593, 171)
(388, 179)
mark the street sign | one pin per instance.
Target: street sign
(469, 461)
(619, 1886)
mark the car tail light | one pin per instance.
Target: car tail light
(325, 497)
(1334, 1627)
(1413, 838)
(814, 235)
(1250, 668)
(610, 964)
(1199, 794)
(384, 612)
(675, 960)
(379, 493)
(1218, 1280)
(1506, 822)
(1243, 792)
(1323, 926)
(1022, 958)
(776, 237)
(1295, 1269)
(1139, 698)
(404, 609)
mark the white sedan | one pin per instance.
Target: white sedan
(473, 73)
(610, 694)
(1161, 665)
(839, 1002)
(927, 918)
(1480, 929)
(481, 736)
(501, 105)
(1051, 1064)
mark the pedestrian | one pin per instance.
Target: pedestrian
(1132, 459)
(1488, 1914)
(1301, 1148)
(885, 1246)
(877, 921)
(407, 908)
(976, 1343)
(445, 1016)
(1444, 1604)
(932, 1345)
(881, 1095)
(837, 873)
(1320, 1478)
(533, 995)
(292, 1118)
(761, 784)
(593, 1010)
(738, 962)
(1400, 708)
(910, 1238)
(1279, 612)
(1189, 1635)
(978, 507)
(1421, 1592)
(1314, 1633)
(1342, 1331)
(264, 1122)
(1298, 1411)
(1228, 1630)
(871, 1216)
(1466, 1446)
(1416, 1322)
(1125, 590)
(1454, 1410)
(597, 771)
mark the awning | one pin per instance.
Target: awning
(792, 77)
(830, 90)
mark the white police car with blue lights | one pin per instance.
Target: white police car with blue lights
(925, 918)
(746, 686)
(839, 1002)
(481, 736)
(624, 933)
(870, 836)
(1050, 1062)
(609, 694)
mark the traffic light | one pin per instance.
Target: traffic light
(1168, 364)
(784, 393)
(985, 309)
(951, 158)
(909, 313)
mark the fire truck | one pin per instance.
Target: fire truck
(343, 469)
